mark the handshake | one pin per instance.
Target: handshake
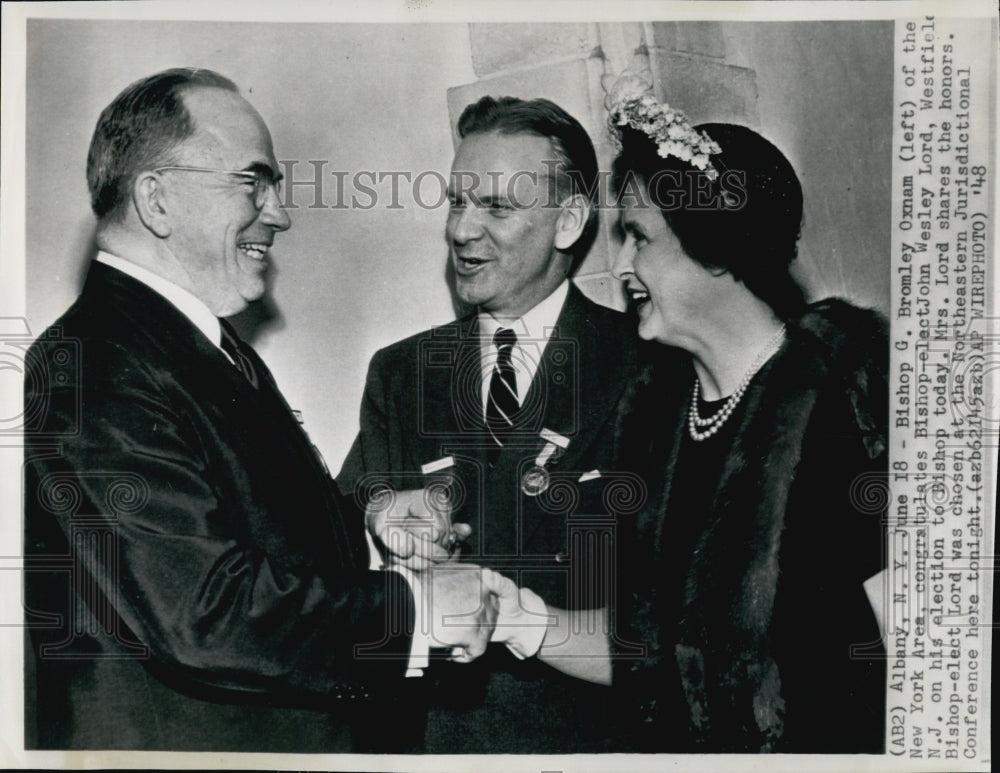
(461, 607)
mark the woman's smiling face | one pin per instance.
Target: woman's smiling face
(670, 291)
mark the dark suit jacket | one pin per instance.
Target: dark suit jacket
(193, 581)
(422, 402)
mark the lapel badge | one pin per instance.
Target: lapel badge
(536, 479)
(439, 476)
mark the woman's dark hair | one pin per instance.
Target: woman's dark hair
(745, 222)
(138, 131)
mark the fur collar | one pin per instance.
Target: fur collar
(834, 351)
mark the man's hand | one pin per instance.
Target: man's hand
(463, 609)
(415, 527)
(523, 619)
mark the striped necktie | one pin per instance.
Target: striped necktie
(502, 404)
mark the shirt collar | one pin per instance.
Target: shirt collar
(185, 302)
(537, 324)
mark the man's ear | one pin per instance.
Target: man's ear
(573, 215)
(148, 200)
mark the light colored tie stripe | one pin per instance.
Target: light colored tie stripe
(501, 411)
(509, 389)
(499, 419)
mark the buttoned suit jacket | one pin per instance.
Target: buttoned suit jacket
(423, 402)
(193, 580)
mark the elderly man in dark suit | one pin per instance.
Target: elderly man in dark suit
(511, 409)
(194, 578)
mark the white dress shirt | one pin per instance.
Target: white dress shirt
(533, 330)
(188, 304)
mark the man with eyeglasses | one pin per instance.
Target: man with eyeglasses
(194, 579)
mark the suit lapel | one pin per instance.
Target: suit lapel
(204, 372)
(578, 391)
(449, 411)
(167, 329)
(553, 399)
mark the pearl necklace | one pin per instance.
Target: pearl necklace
(713, 423)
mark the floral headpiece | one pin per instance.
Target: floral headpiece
(630, 102)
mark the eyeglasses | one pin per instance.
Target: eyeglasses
(261, 179)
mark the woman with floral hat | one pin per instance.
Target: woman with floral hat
(744, 577)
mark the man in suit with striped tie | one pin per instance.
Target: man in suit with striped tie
(513, 405)
(193, 578)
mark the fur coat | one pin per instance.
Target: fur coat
(775, 647)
